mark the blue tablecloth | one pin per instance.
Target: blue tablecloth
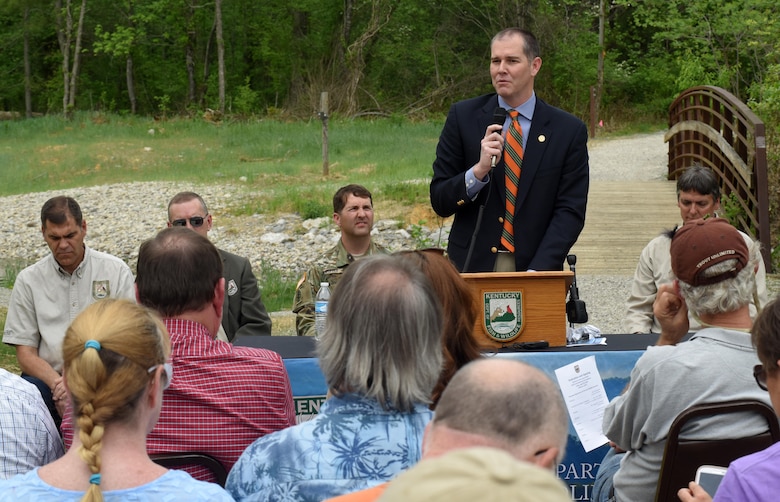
(578, 468)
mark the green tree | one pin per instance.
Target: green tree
(129, 32)
(724, 41)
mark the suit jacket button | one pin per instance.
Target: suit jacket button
(494, 250)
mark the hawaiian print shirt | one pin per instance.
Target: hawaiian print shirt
(352, 444)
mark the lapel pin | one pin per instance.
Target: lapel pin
(542, 138)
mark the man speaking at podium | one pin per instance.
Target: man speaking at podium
(519, 203)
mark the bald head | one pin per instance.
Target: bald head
(501, 403)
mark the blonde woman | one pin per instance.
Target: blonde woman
(115, 371)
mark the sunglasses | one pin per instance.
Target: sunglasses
(759, 373)
(167, 373)
(195, 221)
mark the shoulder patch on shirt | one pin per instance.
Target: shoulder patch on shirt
(101, 290)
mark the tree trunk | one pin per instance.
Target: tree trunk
(600, 68)
(381, 10)
(207, 66)
(130, 84)
(346, 31)
(189, 56)
(74, 74)
(64, 28)
(220, 54)
(191, 84)
(27, 70)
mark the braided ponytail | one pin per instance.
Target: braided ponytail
(107, 351)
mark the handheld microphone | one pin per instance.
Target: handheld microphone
(575, 308)
(499, 116)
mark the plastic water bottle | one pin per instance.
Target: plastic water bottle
(321, 308)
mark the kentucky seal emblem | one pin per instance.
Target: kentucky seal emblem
(100, 290)
(503, 315)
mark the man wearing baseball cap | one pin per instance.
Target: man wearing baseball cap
(715, 277)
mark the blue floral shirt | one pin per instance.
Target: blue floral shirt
(352, 444)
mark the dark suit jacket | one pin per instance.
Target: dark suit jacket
(243, 310)
(551, 198)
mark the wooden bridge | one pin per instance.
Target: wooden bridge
(622, 217)
(707, 126)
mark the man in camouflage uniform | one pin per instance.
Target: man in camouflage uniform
(353, 212)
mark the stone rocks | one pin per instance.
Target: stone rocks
(120, 217)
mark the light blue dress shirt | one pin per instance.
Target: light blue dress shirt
(28, 436)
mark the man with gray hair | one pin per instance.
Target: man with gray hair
(486, 404)
(715, 270)
(698, 195)
(381, 355)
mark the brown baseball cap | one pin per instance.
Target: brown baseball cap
(700, 244)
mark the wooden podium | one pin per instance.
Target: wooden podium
(516, 307)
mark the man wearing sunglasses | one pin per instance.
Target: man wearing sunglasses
(243, 310)
(715, 277)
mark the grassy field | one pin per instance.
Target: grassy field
(281, 162)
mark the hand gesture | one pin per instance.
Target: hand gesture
(671, 312)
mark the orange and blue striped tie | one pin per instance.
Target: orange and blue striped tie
(513, 164)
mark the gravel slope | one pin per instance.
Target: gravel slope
(119, 217)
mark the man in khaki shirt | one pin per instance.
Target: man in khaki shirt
(49, 294)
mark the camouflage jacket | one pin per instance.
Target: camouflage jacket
(328, 267)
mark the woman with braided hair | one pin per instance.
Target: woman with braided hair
(115, 371)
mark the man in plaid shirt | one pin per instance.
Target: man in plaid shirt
(221, 397)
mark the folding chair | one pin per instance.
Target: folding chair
(179, 460)
(683, 456)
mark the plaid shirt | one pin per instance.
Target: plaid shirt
(221, 397)
(28, 436)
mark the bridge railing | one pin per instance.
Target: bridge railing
(709, 126)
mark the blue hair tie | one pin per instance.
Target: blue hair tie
(95, 478)
(93, 344)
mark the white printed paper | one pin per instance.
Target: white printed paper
(585, 397)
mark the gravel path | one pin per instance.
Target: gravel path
(119, 217)
(634, 158)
